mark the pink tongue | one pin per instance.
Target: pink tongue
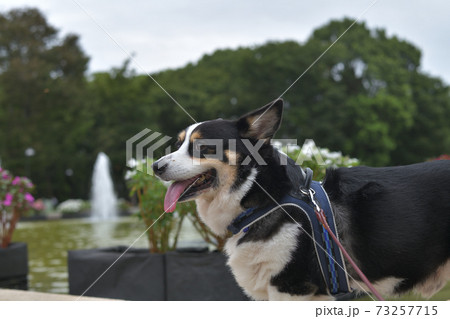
(173, 194)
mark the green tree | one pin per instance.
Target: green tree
(429, 136)
(119, 107)
(362, 96)
(366, 96)
(42, 84)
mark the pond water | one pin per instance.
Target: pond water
(49, 241)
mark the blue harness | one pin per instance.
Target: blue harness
(329, 255)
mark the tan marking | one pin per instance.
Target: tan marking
(195, 135)
(226, 173)
(232, 157)
(218, 207)
(182, 136)
(259, 126)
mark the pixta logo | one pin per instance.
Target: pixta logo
(140, 149)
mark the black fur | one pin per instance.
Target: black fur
(399, 222)
(394, 221)
(399, 218)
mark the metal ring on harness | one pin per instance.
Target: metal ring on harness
(305, 188)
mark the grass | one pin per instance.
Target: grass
(444, 294)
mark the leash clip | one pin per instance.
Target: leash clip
(312, 196)
(318, 210)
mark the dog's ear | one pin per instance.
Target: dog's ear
(262, 123)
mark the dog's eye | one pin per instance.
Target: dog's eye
(210, 149)
(178, 144)
(199, 149)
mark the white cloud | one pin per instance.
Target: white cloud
(168, 34)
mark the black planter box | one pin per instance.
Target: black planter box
(82, 214)
(14, 266)
(139, 275)
(200, 276)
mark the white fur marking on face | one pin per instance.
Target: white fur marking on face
(180, 163)
(184, 148)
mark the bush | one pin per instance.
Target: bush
(316, 158)
(71, 206)
(162, 231)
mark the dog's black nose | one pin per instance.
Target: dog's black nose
(158, 168)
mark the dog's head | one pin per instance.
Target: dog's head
(218, 155)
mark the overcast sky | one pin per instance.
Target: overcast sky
(169, 34)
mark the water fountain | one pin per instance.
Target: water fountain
(104, 201)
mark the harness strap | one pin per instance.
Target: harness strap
(329, 256)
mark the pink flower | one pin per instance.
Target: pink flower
(38, 205)
(5, 176)
(29, 198)
(8, 199)
(16, 180)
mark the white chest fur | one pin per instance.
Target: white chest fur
(255, 263)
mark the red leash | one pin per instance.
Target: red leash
(323, 220)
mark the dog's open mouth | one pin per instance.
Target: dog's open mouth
(183, 190)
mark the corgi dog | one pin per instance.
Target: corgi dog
(393, 221)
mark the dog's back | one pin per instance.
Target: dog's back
(397, 220)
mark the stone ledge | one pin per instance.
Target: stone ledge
(23, 295)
